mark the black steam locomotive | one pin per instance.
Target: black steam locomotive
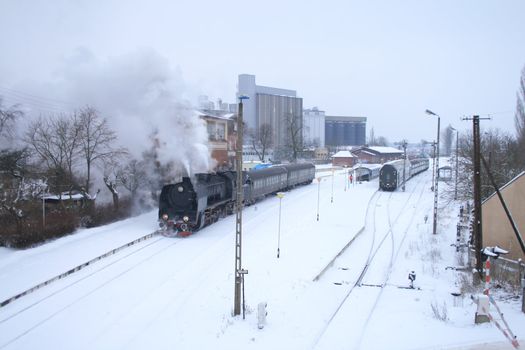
(391, 173)
(187, 206)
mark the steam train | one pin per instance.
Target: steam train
(192, 204)
(391, 173)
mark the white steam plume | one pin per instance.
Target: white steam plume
(141, 95)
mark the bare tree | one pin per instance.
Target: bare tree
(372, 137)
(133, 176)
(56, 140)
(495, 147)
(381, 141)
(519, 120)
(8, 117)
(294, 133)
(14, 187)
(374, 140)
(96, 141)
(262, 140)
(111, 184)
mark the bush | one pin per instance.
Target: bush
(59, 222)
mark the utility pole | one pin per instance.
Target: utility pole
(434, 228)
(457, 166)
(404, 144)
(457, 163)
(433, 164)
(239, 272)
(478, 231)
(477, 228)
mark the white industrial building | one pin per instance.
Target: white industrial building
(314, 127)
(269, 105)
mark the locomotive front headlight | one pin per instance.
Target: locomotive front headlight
(185, 219)
(164, 217)
(180, 188)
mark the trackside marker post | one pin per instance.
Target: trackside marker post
(318, 195)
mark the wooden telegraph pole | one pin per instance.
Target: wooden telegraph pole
(477, 227)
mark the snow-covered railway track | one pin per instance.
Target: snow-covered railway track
(76, 269)
(15, 314)
(389, 234)
(380, 257)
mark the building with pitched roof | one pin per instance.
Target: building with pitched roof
(344, 159)
(377, 154)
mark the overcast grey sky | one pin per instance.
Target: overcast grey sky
(386, 60)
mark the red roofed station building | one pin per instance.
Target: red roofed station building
(377, 154)
(344, 159)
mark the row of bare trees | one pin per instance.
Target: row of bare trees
(504, 153)
(67, 147)
(263, 139)
(59, 155)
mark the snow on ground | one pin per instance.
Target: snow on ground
(178, 293)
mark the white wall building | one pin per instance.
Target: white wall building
(268, 105)
(314, 127)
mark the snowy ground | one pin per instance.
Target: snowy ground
(167, 293)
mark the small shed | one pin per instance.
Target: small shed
(344, 159)
(445, 173)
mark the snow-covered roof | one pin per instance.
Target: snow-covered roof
(343, 154)
(382, 149)
(367, 166)
(214, 114)
(68, 196)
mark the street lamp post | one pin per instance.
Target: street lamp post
(434, 228)
(457, 163)
(318, 195)
(43, 211)
(332, 197)
(346, 177)
(280, 195)
(44, 191)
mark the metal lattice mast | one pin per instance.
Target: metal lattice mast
(238, 220)
(434, 228)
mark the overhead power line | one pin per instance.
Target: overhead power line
(37, 103)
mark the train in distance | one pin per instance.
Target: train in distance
(392, 173)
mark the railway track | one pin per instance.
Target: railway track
(380, 257)
(54, 293)
(114, 266)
